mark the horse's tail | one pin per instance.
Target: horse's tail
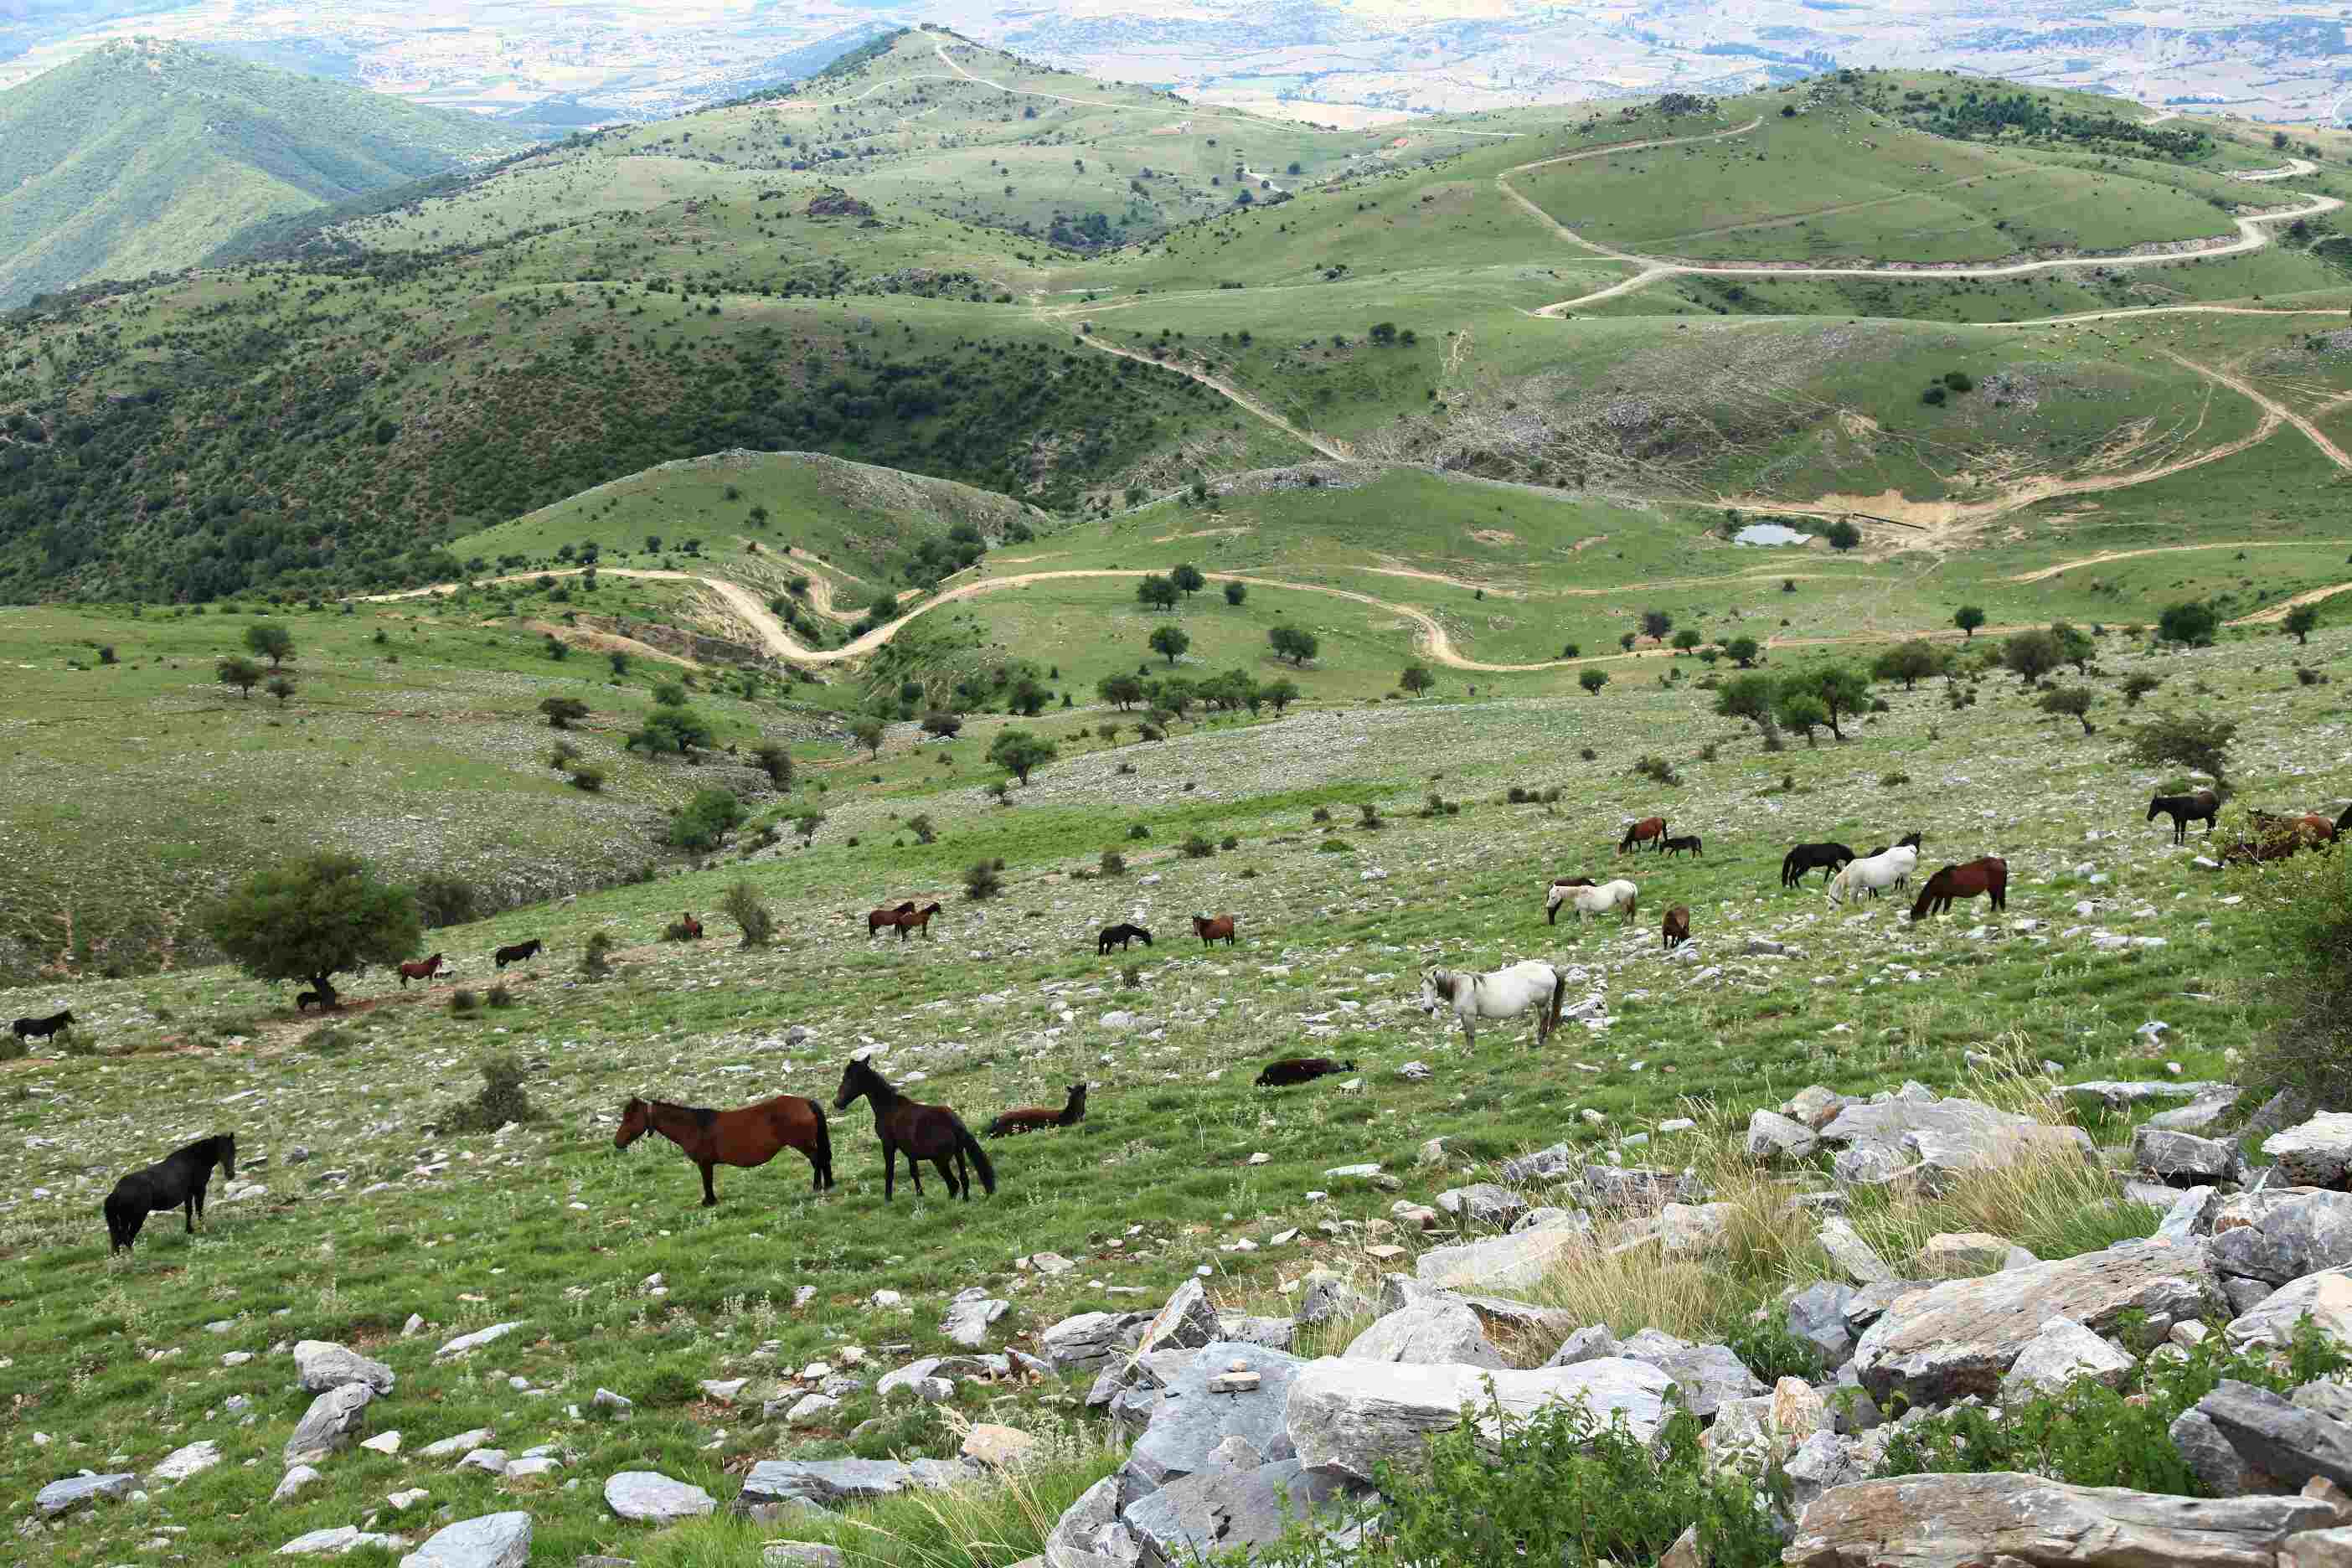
(1559, 997)
(978, 1155)
(823, 1138)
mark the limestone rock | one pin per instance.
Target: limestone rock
(2183, 1158)
(1432, 1333)
(329, 1424)
(61, 1496)
(2318, 1154)
(1708, 1374)
(181, 1463)
(800, 1555)
(1962, 1254)
(2063, 1351)
(1780, 1140)
(1089, 1534)
(335, 1542)
(1851, 1253)
(1326, 1294)
(492, 1540)
(292, 1483)
(828, 1483)
(2323, 1299)
(998, 1447)
(1816, 1315)
(652, 1498)
(2209, 1455)
(1204, 1516)
(2281, 1234)
(1514, 1262)
(2276, 1436)
(1186, 1322)
(474, 1342)
(1345, 1416)
(322, 1364)
(1483, 1204)
(970, 1315)
(1089, 1339)
(1190, 1421)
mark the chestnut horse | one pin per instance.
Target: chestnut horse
(1650, 830)
(1210, 931)
(1989, 876)
(912, 920)
(1676, 930)
(422, 968)
(693, 927)
(1032, 1117)
(931, 1132)
(878, 919)
(748, 1136)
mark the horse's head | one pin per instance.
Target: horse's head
(229, 1155)
(1436, 989)
(857, 1079)
(637, 1120)
(928, 909)
(1143, 934)
(2155, 804)
(1908, 841)
(1077, 1094)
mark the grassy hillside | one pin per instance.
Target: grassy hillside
(144, 157)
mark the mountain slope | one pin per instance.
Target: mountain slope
(143, 157)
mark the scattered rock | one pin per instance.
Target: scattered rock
(1090, 1339)
(1483, 1203)
(2323, 1299)
(800, 1555)
(493, 1541)
(970, 1315)
(463, 1443)
(828, 1483)
(1847, 1249)
(1347, 1415)
(1816, 1315)
(999, 1448)
(322, 1364)
(1708, 1374)
(1189, 1421)
(2276, 1436)
(1325, 1294)
(1430, 1333)
(329, 1424)
(1512, 1262)
(60, 1497)
(292, 1483)
(1962, 1253)
(181, 1463)
(2063, 1351)
(2183, 1159)
(473, 1341)
(1186, 1322)
(2318, 1154)
(652, 1498)
(1780, 1140)
(2280, 1235)
(2209, 1455)
(1203, 1517)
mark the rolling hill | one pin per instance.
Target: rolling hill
(145, 157)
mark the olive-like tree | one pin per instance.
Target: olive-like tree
(314, 919)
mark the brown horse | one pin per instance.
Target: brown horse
(881, 920)
(1676, 929)
(750, 1135)
(1210, 931)
(931, 1132)
(914, 920)
(693, 927)
(1989, 876)
(422, 968)
(1650, 830)
(1032, 1117)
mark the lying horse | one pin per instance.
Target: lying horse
(1031, 1118)
(931, 1132)
(882, 920)
(1299, 1070)
(1690, 842)
(1676, 930)
(916, 921)
(175, 1181)
(307, 999)
(1504, 994)
(1804, 857)
(693, 927)
(2202, 806)
(1874, 873)
(748, 1136)
(1989, 876)
(1650, 830)
(1593, 901)
(1209, 931)
(517, 953)
(1120, 936)
(42, 1028)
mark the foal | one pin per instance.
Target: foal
(931, 1132)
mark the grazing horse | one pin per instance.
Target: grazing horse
(1908, 841)
(1120, 936)
(1804, 857)
(915, 920)
(1650, 830)
(1210, 931)
(42, 1028)
(881, 920)
(1557, 893)
(2202, 806)
(1504, 994)
(306, 999)
(1030, 1118)
(421, 969)
(1299, 1070)
(1989, 876)
(175, 1181)
(1676, 930)
(1593, 901)
(931, 1132)
(517, 953)
(748, 1136)
(1689, 841)
(1874, 873)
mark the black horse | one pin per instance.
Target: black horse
(1689, 841)
(42, 1028)
(177, 1180)
(517, 953)
(931, 1132)
(1299, 1070)
(1804, 857)
(305, 1000)
(2204, 806)
(1119, 936)
(2343, 823)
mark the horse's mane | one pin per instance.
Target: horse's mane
(208, 1147)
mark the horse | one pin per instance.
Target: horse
(1804, 857)
(2203, 807)
(1989, 876)
(1593, 901)
(747, 1136)
(517, 953)
(1557, 892)
(877, 920)
(1504, 994)
(2343, 823)
(1874, 873)
(1689, 841)
(1120, 936)
(42, 1028)
(693, 927)
(1908, 841)
(177, 1180)
(307, 999)
(1650, 830)
(1676, 930)
(1299, 1070)
(915, 920)
(1209, 931)
(1031, 1118)
(931, 1132)
(419, 969)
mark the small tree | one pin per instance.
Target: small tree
(1124, 691)
(314, 919)
(1157, 592)
(1280, 693)
(704, 822)
(925, 830)
(2138, 686)
(981, 881)
(775, 762)
(1742, 651)
(1747, 697)
(280, 687)
(1841, 535)
(942, 725)
(884, 608)
(2075, 645)
(271, 641)
(2194, 623)
(619, 659)
(1235, 593)
(1593, 680)
(1627, 639)
(1293, 643)
(1656, 624)
(1416, 679)
(742, 905)
(1688, 639)
(1187, 580)
(868, 733)
(1969, 617)
(673, 729)
(2197, 741)
(1019, 752)
(2074, 701)
(240, 672)
(562, 712)
(1029, 695)
(1800, 710)
(806, 823)
(2032, 654)
(669, 694)
(2303, 620)
(1910, 662)
(1171, 641)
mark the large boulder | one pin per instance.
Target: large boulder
(1708, 1374)
(1777, 1139)
(828, 1483)
(1483, 1204)
(1326, 1294)
(1187, 1322)
(1345, 1416)
(492, 1540)
(1516, 1262)
(2324, 1300)
(1199, 1408)
(61, 1496)
(1203, 1517)
(322, 1364)
(2183, 1159)
(2277, 1436)
(2281, 1234)
(1503, 1315)
(1962, 1336)
(652, 1498)
(1855, 1257)
(1949, 1136)
(2005, 1518)
(2063, 1351)
(2318, 1154)
(1091, 1339)
(1089, 1534)
(1430, 1333)
(1816, 1315)
(329, 1424)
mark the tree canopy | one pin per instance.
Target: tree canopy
(313, 918)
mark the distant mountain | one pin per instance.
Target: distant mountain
(143, 157)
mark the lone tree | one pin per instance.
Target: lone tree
(1156, 593)
(1841, 535)
(2303, 620)
(1743, 651)
(1841, 690)
(675, 730)
(240, 672)
(1416, 679)
(1656, 624)
(562, 712)
(1593, 680)
(2030, 656)
(772, 760)
(1018, 752)
(2193, 623)
(2074, 701)
(2075, 645)
(1170, 641)
(1292, 644)
(2138, 686)
(1967, 618)
(314, 919)
(271, 641)
(1235, 593)
(1800, 710)
(1688, 639)
(868, 732)
(1910, 662)
(1281, 693)
(2196, 740)
(280, 687)
(1126, 690)
(1187, 580)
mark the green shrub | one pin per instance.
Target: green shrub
(1320, 814)
(445, 900)
(1114, 864)
(501, 1100)
(742, 905)
(596, 961)
(587, 778)
(2305, 908)
(1335, 847)
(462, 1001)
(981, 881)
(1196, 847)
(500, 997)
(705, 820)
(1657, 770)
(1769, 1350)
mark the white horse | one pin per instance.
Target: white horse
(1504, 994)
(1617, 895)
(1874, 873)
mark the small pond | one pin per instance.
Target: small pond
(1770, 533)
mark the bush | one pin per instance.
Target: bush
(312, 918)
(1335, 847)
(2305, 909)
(2194, 623)
(595, 961)
(775, 762)
(587, 778)
(981, 881)
(1230, 842)
(673, 729)
(1593, 680)
(562, 755)
(741, 904)
(462, 1001)
(500, 997)
(445, 900)
(1020, 753)
(703, 822)
(1369, 817)
(1658, 771)
(501, 1100)
(1889, 780)
(925, 830)
(1320, 814)
(2199, 742)
(1196, 847)
(1114, 864)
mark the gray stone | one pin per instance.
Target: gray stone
(1345, 1416)
(329, 1424)
(2316, 1549)
(291, 1484)
(1430, 1333)
(1816, 1315)
(2209, 1455)
(1273, 1333)
(1090, 1339)
(1814, 1105)
(828, 1483)
(1948, 1136)
(2202, 1114)
(652, 1498)
(1483, 1203)
(489, 1461)
(474, 1342)
(1851, 1253)
(1963, 1254)
(463, 1443)
(1696, 1230)
(1501, 1314)
(2281, 1234)
(2190, 1216)
(2063, 1351)
(1188, 1420)
(800, 1555)
(1186, 1322)
(1207, 1515)
(1780, 1140)
(335, 1542)
(493, 1541)
(2318, 1154)
(1325, 1295)
(322, 1364)
(1089, 1535)
(2325, 1300)
(1708, 1374)
(531, 1465)
(1556, 1164)
(2276, 1436)
(1548, 1217)
(2331, 1397)
(60, 1497)
(1636, 1187)
(181, 1463)
(1962, 1336)
(2183, 1159)
(1514, 1262)
(1822, 1461)
(1592, 1342)
(970, 1315)
(2104, 1094)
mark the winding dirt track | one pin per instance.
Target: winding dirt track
(2268, 405)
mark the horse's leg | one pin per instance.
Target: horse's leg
(914, 1170)
(710, 1198)
(949, 1176)
(889, 1169)
(188, 1204)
